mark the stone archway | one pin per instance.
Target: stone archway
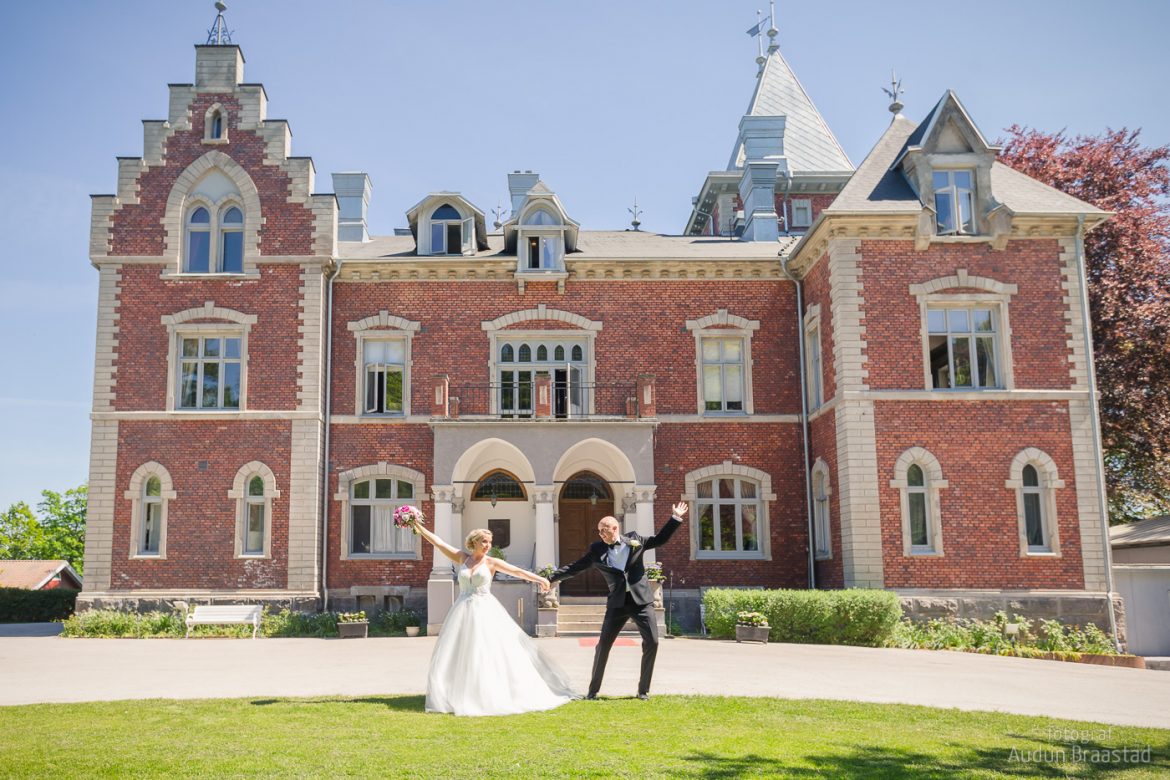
(585, 498)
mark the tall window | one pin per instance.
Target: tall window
(545, 250)
(963, 346)
(256, 520)
(217, 125)
(917, 497)
(385, 373)
(728, 513)
(1034, 477)
(954, 201)
(520, 360)
(723, 374)
(209, 372)
(372, 505)
(152, 506)
(225, 235)
(821, 511)
(450, 233)
(812, 358)
(918, 478)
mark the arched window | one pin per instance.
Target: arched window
(450, 233)
(559, 353)
(918, 477)
(499, 485)
(151, 516)
(369, 495)
(507, 354)
(254, 489)
(587, 485)
(821, 524)
(149, 492)
(1033, 476)
(540, 217)
(254, 531)
(524, 354)
(578, 354)
(216, 125)
(542, 353)
(231, 240)
(199, 241)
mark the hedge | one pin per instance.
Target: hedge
(20, 605)
(823, 617)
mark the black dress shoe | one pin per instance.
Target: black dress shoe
(591, 697)
(644, 696)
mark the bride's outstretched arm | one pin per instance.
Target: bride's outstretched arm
(451, 552)
(516, 571)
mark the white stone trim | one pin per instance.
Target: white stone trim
(766, 497)
(933, 477)
(541, 312)
(1050, 482)
(239, 493)
(311, 343)
(101, 506)
(106, 354)
(174, 220)
(382, 326)
(1074, 323)
(590, 337)
(826, 553)
(724, 325)
(207, 117)
(859, 505)
(304, 504)
(994, 295)
(848, 315)
(182, 324)
(1085, 464)
(381, 469)
(134, 492)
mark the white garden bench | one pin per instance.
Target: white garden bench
(224, 615)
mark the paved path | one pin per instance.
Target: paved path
(54, 669)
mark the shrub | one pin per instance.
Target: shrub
(394, 623)
(287, 623)
(990, 636)
(20, 605)
(831, 617)
(113, 624)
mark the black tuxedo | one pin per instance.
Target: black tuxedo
(630, 596)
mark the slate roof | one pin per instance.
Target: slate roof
(591, 244)
(1143, 533)
(32, 574)
(809, 144)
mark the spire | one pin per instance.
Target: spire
(773, 47)
(636, 222)
(219, 34)
(895, 91)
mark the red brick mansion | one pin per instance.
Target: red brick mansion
(867, 377)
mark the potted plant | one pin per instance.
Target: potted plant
(352, 625)
(410, 622)
(751, 627)
(657, 576)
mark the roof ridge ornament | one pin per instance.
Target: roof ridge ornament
(637, 212)
(895, 91)
(773, 47)
(219, 34)
(756, 32)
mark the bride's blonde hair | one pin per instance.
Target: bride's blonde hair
(475, 537)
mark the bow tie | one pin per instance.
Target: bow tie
(615, 545)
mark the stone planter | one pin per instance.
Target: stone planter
(751, 634)
(412, 630)
(353, 630)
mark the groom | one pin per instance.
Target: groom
(619, 558)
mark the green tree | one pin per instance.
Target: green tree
(57, 533)
(1127, 261)
(21, 535)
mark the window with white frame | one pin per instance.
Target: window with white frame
(451, 234)
(149, 492)
(723, 383)
(255, 518)
(253, 490)
(371, 523)
(1034, 478)
(728, 516)
(542, 243)
(801, 213)
(954, 201)
(918, 478)
(963, 347)
(215, 246)
(812, 359)
(210, 371)
(563, 358)
(215, 125)
(821, 526)
(384, 372)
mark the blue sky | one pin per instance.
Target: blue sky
(607, 99)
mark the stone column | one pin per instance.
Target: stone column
(644, 515)
(440, 585)
(543, 496)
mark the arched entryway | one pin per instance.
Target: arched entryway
(585, 498)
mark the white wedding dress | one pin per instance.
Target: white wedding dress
(484, 663)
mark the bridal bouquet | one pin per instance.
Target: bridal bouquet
(408, 517)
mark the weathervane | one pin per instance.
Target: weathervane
(498, 213)
(755, 32)
(895, 91)
(219, 34)
(637, 212)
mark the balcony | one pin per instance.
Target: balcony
(541, 398)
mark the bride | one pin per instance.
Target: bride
(484, 663)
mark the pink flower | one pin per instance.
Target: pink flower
(408, 517)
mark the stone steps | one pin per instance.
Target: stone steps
(583, 615)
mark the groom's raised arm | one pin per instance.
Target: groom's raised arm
(574, 568)
(678, 512)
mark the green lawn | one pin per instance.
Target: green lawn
(669, 736)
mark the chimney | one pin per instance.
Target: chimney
(518, 186)
(353, 201)
(763, 147)
(218, 68)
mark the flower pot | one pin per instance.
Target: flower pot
(751, 634)
(352, 630)
(412, 630)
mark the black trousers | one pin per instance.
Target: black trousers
(615, 620)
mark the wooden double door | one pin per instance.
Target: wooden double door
(578, 530)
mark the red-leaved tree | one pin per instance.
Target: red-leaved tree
(1127, 260)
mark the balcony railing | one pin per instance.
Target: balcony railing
(542, 398)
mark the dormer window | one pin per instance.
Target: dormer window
(954, 202)
(451, 234)
(543, 245)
